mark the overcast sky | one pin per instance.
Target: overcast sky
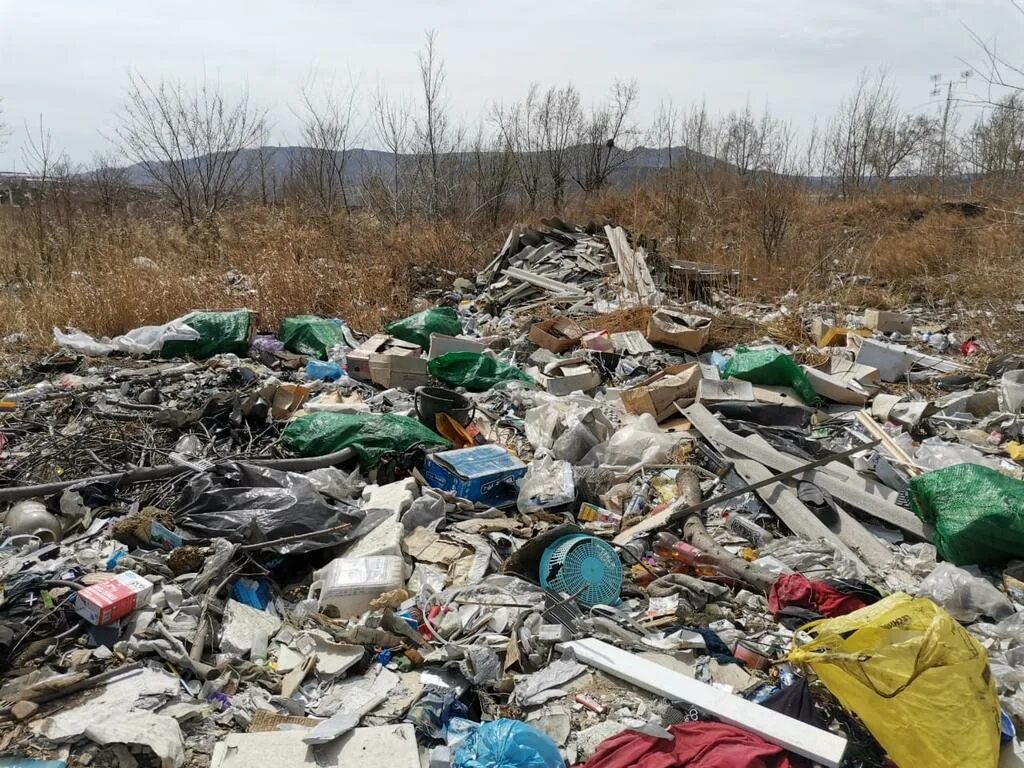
(68, 60)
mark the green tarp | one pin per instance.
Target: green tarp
(370, 435)
(219, 333)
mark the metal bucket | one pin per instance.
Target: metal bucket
(430, 401)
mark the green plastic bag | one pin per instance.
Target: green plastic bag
(771, 368)
(416, 329)
(310, 335)
(475, 372)
(978, 513)
(370, 435)
(220, 333)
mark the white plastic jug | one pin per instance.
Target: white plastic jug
(347, 585)
(1013, 390)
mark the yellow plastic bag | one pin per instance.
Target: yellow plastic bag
(917, 680)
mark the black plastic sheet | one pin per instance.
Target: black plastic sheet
(246, 504)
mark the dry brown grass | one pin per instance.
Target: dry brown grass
(270, 260)
(280, 262)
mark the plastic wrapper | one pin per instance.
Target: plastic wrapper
(641, 442)
(916, 679)
(370, 435)
(219, 333)
(547, 483)
(978, 514)
(475, 372)
(311, 335)
(416, 329)
(567, 427)
(246, 504)
(335, 483)
(507, 744)
(146, 340)
(966, 597)
(770, 367)
(936, 453)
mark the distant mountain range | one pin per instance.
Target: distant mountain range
(640, 163)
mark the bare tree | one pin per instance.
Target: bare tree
(491, 169)
(744, 144)
(994, 145)
(604, 139)
(5, 130)
(772, 191)
(110, 181)
(434, 132)
(523, 137)
(559, 116)
(51, 201)
(191, 142)
(999, 73)
(328, 133)
(866, 120)
(665, 129)
(391, 126)
(265, 170)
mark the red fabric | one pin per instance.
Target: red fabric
(796, 589)
(696, 745)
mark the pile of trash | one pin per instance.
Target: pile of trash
(560, 515)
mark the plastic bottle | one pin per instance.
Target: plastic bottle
(748, 529)
(674, 548)
(638, 503)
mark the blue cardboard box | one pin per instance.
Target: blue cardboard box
(487, 474)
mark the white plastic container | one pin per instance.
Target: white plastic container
(347, 585)
(1013, 390)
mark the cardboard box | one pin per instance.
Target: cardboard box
(590, 513)
(488, 474)
(442, 345)
(681, 330)
(358, 360)
(399, 367)
(113, 599)
(887, 322)
(563, 377)
(724, 391)
(656, 394)
(827, 335)
(559, 334)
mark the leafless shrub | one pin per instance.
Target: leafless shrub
(191, 142)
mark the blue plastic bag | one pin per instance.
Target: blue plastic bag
(328, 371)
(507, 744)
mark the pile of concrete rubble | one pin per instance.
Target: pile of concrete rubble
(588, 509)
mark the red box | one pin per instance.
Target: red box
(108, 601)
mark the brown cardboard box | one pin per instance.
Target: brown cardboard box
(656, 394)
(681, 330)
(399, 365)
(887, 322)
(827, 335)
(559, 334)
(358, 360)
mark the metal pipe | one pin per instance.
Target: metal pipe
(165, 471)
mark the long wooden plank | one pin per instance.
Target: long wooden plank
(875, 506)
(813, 743)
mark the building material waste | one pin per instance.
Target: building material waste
(563, 514)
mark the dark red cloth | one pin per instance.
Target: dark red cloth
(796, 589)
(695, 745)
